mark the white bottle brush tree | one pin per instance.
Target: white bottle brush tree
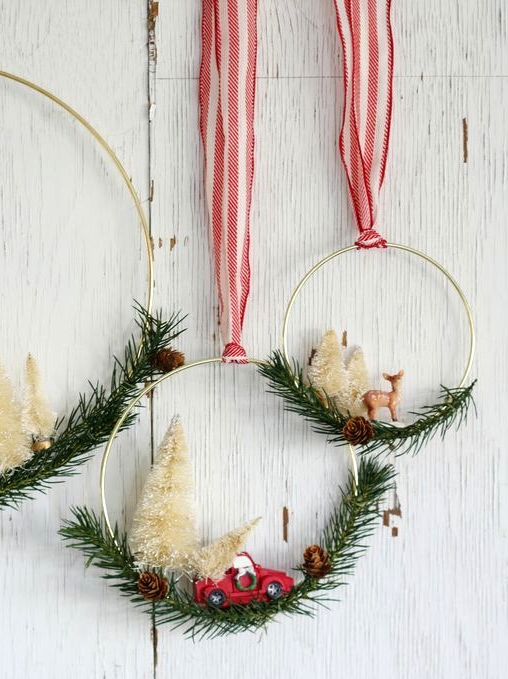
(163, 534)
(211, 561)
(14, 441)
(38, 418)
(27, 428)
(343, 381)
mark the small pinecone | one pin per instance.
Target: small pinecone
(168, 359)
(316, 562)
(358, 431)
(152, 586)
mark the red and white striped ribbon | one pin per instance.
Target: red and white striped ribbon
(366, 36)
(226, 101)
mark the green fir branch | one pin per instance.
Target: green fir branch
(349, 527)
(109, 552)
(287, 381)
(90, 422)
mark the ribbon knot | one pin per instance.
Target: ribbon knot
(234, 353)
(370, 239)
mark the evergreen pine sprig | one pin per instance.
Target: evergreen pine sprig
(288, 381)
(349, 527)
(90, 422)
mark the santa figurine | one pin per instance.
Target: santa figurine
(244, 566)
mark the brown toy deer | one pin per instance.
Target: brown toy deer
(376, 399)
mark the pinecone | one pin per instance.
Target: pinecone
(316, 562)
(152, 586)
(168, 359)
(358, 431)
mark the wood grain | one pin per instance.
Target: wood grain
(428, 604)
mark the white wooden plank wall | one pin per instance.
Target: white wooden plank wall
(428, 604)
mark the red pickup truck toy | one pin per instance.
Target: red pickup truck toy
(243, 582)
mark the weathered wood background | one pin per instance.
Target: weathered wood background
(430, 603)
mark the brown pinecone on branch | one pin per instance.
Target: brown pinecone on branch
(168, 359)
(358, 431)
(316, 562)
(152, 586)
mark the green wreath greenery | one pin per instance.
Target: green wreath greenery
(287, 381)
(89, 423)
(349, 526)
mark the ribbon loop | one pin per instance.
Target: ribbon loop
(366, 36)
(226, 103)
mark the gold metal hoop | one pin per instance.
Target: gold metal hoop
(395, 246)
(114, 158)
(146, 390)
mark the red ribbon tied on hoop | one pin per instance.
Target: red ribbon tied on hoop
(367, 44)
(226, 103)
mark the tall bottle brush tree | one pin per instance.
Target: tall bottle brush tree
(164, 534)
(343, 381)
(14, 441)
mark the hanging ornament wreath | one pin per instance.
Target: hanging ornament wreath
(337, 397)
(156, 563)
(217, 589)
(36, 448)
(367, 46)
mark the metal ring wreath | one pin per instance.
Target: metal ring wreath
(346, 418)
(336, 396)
(225, 591)
(36, 450)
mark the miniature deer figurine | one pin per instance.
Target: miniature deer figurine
(376, 399)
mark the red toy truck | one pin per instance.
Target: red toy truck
(243, 582)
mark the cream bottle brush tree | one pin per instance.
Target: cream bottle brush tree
(163, 534)
(38, 418)
(14, 441)
(212, 560)
(344, 382)
(24, 428)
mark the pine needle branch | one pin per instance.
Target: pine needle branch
(88, 533)
(287, 381)
(350, 526)
(90, 422)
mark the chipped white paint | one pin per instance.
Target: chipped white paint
(428, 604)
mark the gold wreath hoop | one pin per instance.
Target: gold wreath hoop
(116, 162)
(135, 401)
(394, 246)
